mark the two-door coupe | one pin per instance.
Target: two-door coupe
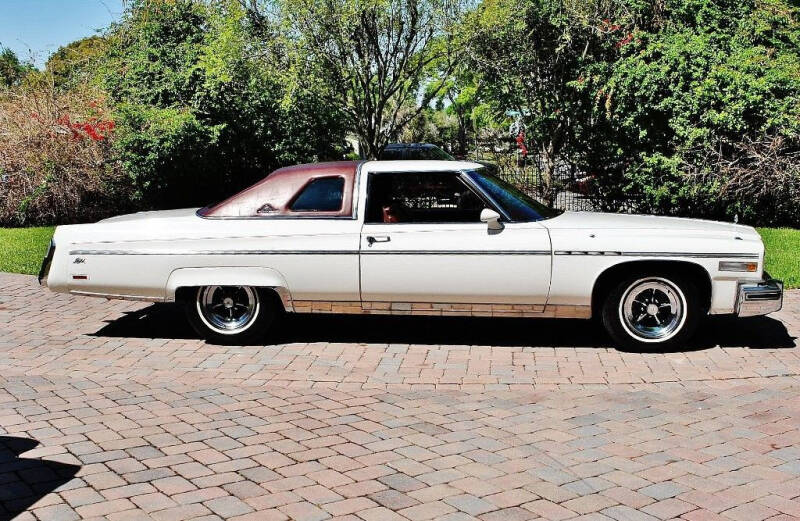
(420, 238)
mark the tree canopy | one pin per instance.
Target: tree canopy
(202, 104)
(688, 107)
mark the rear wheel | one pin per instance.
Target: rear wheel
(230, 314)
(652, 311)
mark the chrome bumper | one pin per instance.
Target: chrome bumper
(44, 271)
(760, 298)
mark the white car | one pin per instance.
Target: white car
(415, 238)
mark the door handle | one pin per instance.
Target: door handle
(380, 238)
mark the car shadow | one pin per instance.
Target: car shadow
(24, 481)
(168, 321)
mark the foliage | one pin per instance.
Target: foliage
(532, 56)
(22, 249)
(72, 64)
(691, 106)
(698, 106)
(459, 96)
(370, 59)
(202, 106)
(12, 70)
(55, 156)
(432, 126)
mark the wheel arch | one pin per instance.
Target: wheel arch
(696, 273)
(183, 280)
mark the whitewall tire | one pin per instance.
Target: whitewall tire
(652, 311)
(230, 314)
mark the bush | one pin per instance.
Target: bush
(703, 113)
(203, 108)
(55, 157)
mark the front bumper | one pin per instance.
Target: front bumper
(760, 298)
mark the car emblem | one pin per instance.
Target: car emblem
(79, 260)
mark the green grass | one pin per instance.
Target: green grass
(22, 249)
(783, 254)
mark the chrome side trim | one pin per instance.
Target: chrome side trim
(112, 296)
(445, 309)
(419, 252)
(661, 254)
(312, 252)
(214, 252)
(574, 252)
(455, 252)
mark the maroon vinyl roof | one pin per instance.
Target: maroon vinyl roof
(279, 189)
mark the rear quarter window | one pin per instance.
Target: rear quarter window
(324, 194)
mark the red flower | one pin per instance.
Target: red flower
(625, 41)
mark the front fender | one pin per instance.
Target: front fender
(229, 276)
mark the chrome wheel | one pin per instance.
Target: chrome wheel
(652, 309)
(228, 310)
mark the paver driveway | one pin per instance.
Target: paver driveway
(380, 418)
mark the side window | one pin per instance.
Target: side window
(320, 195)
(434, 197)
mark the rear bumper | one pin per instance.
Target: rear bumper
(760, 298)
(48, 259)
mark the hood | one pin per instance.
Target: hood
(613, 221)
(152, 216)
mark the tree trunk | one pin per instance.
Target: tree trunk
(462, 135)
(548, 171)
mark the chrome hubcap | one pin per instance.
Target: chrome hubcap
(228, 309)
(653, 309)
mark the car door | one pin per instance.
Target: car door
(422, 241)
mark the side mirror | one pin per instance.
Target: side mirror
(491, 218)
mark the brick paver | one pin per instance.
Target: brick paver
(389, 418)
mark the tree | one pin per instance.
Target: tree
(371, 58)
(458, 96)
(533, 56)
(697, 105)
(202, 106)
(12, 71)
(71, 63)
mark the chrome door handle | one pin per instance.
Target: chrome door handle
(381, 238)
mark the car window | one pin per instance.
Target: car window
(320, 195)
(435, 153)
(391, 154)
(429, 197)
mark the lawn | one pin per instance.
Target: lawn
(22, 249)
(783, 259)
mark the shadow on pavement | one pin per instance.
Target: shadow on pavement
(24, 481)
(168, 321)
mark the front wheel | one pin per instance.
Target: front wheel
(230, 314)
(646, 312)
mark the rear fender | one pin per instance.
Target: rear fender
(229, 276)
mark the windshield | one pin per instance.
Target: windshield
(435, 153)
(516, 203)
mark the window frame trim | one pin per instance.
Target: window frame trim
(460, 175)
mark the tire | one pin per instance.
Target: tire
(231, 314)
(652, 311)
